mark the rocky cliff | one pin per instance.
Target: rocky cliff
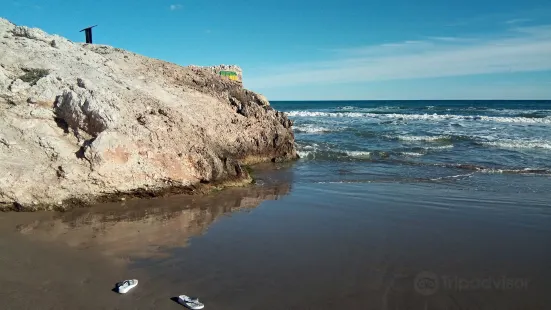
(82, 123)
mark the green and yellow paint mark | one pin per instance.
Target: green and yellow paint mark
(231, 75)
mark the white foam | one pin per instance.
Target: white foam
(521, 120)
(358, 154)
(468, 175)
(516, 112)
(312, 154)
(424, 117)
(347, 108)
(520, 144)
(443, 117)
(305, 154)
(310, 147)
(519, 171)
(323, 114)
(421, 138)
(313, 129)
(345, 182)
(414, 154)
(440, 147)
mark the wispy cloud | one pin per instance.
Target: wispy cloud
(26, 5)
(175, 7)
(452, 39)
(517, 50)
(517, 21)
(385, 48)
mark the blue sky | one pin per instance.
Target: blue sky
(328, 49)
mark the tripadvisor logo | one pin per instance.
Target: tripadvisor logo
(428, 283)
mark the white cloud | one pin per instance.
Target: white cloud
(26, 5)
(452, 39)
(517, 21)
(517, 50)
(174, 7)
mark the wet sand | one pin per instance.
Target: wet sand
(287, 245)
(72, 260)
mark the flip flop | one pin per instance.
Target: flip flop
(126, 285)
(190, 302)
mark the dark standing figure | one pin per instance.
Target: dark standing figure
(88, 32)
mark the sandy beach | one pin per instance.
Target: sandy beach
(274, 246)
(73, 259)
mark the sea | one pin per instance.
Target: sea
(479, 145)
(393, 205)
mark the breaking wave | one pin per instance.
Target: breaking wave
(440, 147)
(358, 154)
(312, 153)
(426, 140)
(457, 176)
(406, 158)
(412, 154)
(347, 108)
(422, 138)
(313, 129)
(425, 117)
(519, 144)
(482, 169)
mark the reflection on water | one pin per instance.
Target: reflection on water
(146, 228)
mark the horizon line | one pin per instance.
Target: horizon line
(349, 100)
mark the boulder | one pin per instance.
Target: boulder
(95, 122)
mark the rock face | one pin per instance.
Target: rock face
(82, 122)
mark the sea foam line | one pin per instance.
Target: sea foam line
(420, 138)
(519, 144)
(358, 154)
(426, 117)
(413, 154)
(468, 175)
(344, 153)
(314, 129)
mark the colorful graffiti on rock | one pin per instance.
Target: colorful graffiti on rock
(231, 75)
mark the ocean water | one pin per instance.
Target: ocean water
(492, 145)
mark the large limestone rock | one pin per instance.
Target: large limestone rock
(81, 122)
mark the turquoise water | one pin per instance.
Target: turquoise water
(493, 145)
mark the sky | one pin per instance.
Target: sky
(328, 49)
